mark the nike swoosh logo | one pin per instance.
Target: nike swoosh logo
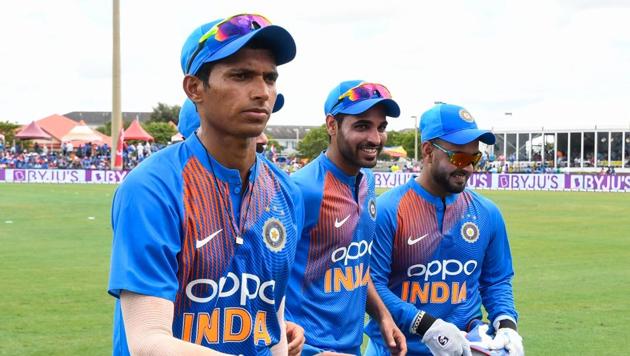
(338, 223)
(201, 243)
(412, 241)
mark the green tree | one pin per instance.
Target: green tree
(165, 113)
(405, 138)
(393, 138)
(315, 141)
(272, 142)
(8, 129)
(107, 127)
(161, 131)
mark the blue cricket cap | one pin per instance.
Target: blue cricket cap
(334, 105)
(189, 117)
(453, 124)
(275, 38)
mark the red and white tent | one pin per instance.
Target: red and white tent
(136, 132)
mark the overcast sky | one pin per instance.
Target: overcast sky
(551, 63)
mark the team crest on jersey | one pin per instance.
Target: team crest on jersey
(470, 232)
(274, 234)
(465, 115)
(372, 208)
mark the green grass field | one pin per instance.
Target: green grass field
(571, 255)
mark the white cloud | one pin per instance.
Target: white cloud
(564, 62)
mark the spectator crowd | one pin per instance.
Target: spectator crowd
(95, 156)
(84, 156)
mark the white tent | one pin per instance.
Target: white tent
(177, 137)
(82, 132)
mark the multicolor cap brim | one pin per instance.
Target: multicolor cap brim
(465, 136)
(276, 38)
(391, 107)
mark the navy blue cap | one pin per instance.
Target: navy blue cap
(333, 106)
(276, 38)
(453, 124)
(189, 117)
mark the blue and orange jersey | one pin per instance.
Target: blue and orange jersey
(187, 230)
(445, 257)
(328, 283)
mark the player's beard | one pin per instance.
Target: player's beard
(352, 155)
(443, 179)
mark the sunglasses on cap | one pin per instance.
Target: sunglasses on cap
(364, 91)
(228, 29)
(460, 159)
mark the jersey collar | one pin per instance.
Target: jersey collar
(337, 172)
(435, 200)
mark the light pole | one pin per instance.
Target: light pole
(415, 142)
(297, 137)
(116, 106)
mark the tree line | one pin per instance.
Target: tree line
(159, 126)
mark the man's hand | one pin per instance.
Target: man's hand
(510, 340)
(445, 339)
(393, 337)
(295, 338)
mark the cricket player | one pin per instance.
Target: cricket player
(205, 231)
(330, 281)
(441, 251)
(189, 123)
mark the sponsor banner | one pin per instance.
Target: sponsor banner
(105, 177)
(480, 181)
(390, 180)
(45, 176)
(598, 183)
(553, 182)
(61, 176)
(529, 181)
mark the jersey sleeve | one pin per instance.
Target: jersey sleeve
(380, 266)
(495, 282)
(147, 231)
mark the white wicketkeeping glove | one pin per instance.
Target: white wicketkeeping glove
(445, 339)
(510, 340)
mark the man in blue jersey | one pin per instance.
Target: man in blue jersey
(205, 231)
(330, 281)
(189, 123)
(441, 251)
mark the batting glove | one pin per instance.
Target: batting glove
(445, 339)
(510, 340)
